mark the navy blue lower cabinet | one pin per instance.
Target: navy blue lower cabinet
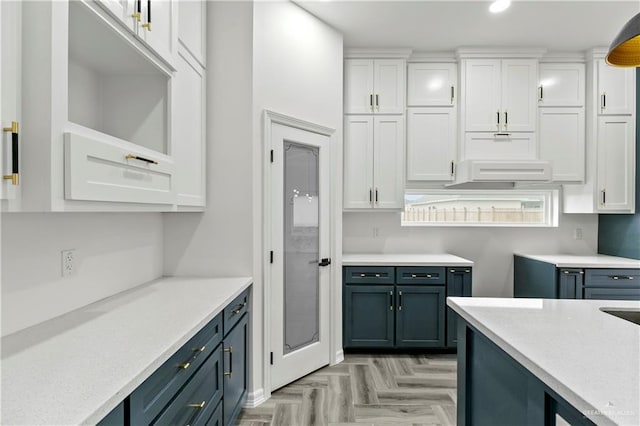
(216, 418)
(115, 417)
(368, 316)
(570, 283)
(496, 390)
(458, 285)
(612, 293)
(420, 316)
(235, 345)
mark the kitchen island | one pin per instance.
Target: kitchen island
(535, 361)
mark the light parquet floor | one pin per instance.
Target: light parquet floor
(366, 390)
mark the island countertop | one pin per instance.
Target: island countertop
(584, 261)
(379, 259)
(74, 369)
(590, 358)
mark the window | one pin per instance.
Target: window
(480, 208)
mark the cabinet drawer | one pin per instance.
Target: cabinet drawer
(235, 310)
(199, 398)
(369, 275)
(620, 278)
(420, 275)
(148, 400)
(612, 293)
(101, 171)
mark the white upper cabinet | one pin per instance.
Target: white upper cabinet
(500, 95)
(374, 86)
(482, 87)
(616, 89)
(158, 27)
(192, 16)
(615, 175)
(432, 84)
(562, 142)
(373, 162)
(431, 144)
(123, 10)
(189, 130)
(561, 84)
(11, 104)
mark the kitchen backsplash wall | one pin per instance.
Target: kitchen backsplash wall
(619, 234)
(491, 249)
(113, 252)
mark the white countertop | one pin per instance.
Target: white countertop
(404, 260)
(76, 368)
(584, 261)
(590, 358)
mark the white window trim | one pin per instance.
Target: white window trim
(551, 211)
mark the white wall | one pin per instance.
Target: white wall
(491, 248)
(297, 71)
(219, 241)
(114, 252)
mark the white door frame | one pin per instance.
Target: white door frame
(270, 118)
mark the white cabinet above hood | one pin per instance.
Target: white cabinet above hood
(494, 174)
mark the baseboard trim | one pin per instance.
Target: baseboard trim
(339, 357)
(255, 398)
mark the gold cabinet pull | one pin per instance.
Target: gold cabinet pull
(198, 406)
(137, 157)
(229, 350)
(14, 176)
(147, 24)
(238, 309)
(138, 13)
(185, 365)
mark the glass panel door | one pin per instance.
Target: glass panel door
(301, 246)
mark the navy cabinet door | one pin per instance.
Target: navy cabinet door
(571, 282)
(115, 417)
(235, 370)
(420, 316)
(368, 316)
(458, 285)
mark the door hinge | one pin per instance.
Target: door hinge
(271, 358)
(271, 156)
(271, 256)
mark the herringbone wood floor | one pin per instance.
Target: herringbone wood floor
(366, 390)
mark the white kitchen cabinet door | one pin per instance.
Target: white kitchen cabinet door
(358, 86)
(192, 17)
(189, 130)
(615, 175)
(562, 142)
(519, 98)
(561, 85)
(11, 105)
(488, 146)
(123, 10)
(388, 83)
(358, 162)
(482, 95)
(432, 84)
(161, 35)
(388, 161)
(616, 89)
(431, 144)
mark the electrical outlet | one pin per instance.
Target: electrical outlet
(68, 262)
(376, 232)
(577, 234)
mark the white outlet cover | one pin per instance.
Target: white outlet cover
(68, 262)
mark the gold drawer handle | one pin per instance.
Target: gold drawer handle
(201, 405)
(197, 351)
(137, 157)
(229, 350)
(185, 365)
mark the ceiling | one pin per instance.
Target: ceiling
(444, 25)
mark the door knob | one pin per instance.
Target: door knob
(325, 261)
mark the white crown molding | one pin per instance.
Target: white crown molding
(433, 57)
(563, 57)
(596, 53)
(500, 52)
(368, 53)
(275, 117)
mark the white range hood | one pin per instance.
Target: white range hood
(494, 174)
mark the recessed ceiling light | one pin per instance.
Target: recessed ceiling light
(499, 6)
